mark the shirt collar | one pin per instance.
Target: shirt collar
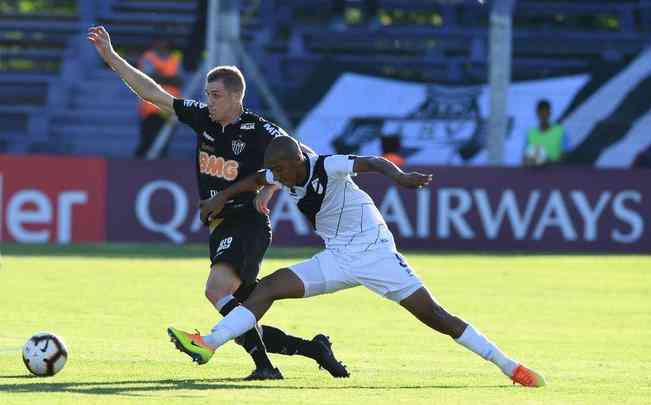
(307, 171)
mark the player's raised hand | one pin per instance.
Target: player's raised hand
(99, 37)
(414, 179)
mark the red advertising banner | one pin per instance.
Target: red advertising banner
(46, 199)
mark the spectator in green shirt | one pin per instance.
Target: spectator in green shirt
(546, 143)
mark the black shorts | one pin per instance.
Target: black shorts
(241, 242)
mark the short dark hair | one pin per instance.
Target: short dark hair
(544, 103)
(231, 76)
(282, 147)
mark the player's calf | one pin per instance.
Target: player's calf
(280, 284)
(422, 306)
(222, 282)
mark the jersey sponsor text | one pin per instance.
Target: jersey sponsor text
(216, 166)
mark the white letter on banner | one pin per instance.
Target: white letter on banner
(590, 216)
(424, 196)
(66, 200)
(17, 217)
(634, 220)
(196, 222)
(286, 210)
(555, 214)
(447, 215)
(508, 206)
(393, 210)
(169, 228)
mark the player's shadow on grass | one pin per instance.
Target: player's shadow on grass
(147, 387)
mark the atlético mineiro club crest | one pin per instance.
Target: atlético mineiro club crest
(238, 146)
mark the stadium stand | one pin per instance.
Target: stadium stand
(57, 97)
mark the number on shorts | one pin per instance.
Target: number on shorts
(225, 244)
(401, 261)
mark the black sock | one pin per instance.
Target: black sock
(251, 340)
(229, 306)
(255, 346)
(279, 342)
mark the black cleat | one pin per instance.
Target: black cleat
(264, 374)
(327, 359)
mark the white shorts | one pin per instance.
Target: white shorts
(382, 270)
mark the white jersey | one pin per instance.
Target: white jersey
(340, 212)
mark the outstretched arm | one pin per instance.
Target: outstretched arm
(138, 82)
(214, 205)
(381, 165)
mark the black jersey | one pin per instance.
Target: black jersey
(226, 154)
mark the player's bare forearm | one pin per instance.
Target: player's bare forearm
(214, 205)
(141, 84)
(248, 184)
(381, 165)
(377, 164)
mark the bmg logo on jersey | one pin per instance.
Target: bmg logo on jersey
(216, 166)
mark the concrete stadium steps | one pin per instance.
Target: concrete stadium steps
(110, 89)
(105, 104)
(96, 116)
(24, 88)
(153, 6)
(106, 140)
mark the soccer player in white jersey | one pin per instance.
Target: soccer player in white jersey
(360, 249)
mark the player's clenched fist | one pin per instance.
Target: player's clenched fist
(102, 41)
(414, 179)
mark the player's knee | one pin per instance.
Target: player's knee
(222, 282)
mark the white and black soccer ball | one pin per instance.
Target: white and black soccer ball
(45, 354)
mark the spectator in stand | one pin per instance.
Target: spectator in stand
(162, 65)
(546, 143)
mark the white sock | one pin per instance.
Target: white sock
(236, 323)
(472, 340)
(223, 301)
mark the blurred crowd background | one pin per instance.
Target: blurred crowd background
(407, 78)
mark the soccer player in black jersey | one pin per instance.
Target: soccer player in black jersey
(231, 142)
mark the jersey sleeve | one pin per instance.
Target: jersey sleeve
(190, 112)
(270, 131)
(339, 165)
(269, 177)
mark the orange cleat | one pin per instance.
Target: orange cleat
(528, 378)
(191, 344)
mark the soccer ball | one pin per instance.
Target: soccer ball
(45, 354)
(537, 154)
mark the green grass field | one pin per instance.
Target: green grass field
(584, 321)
